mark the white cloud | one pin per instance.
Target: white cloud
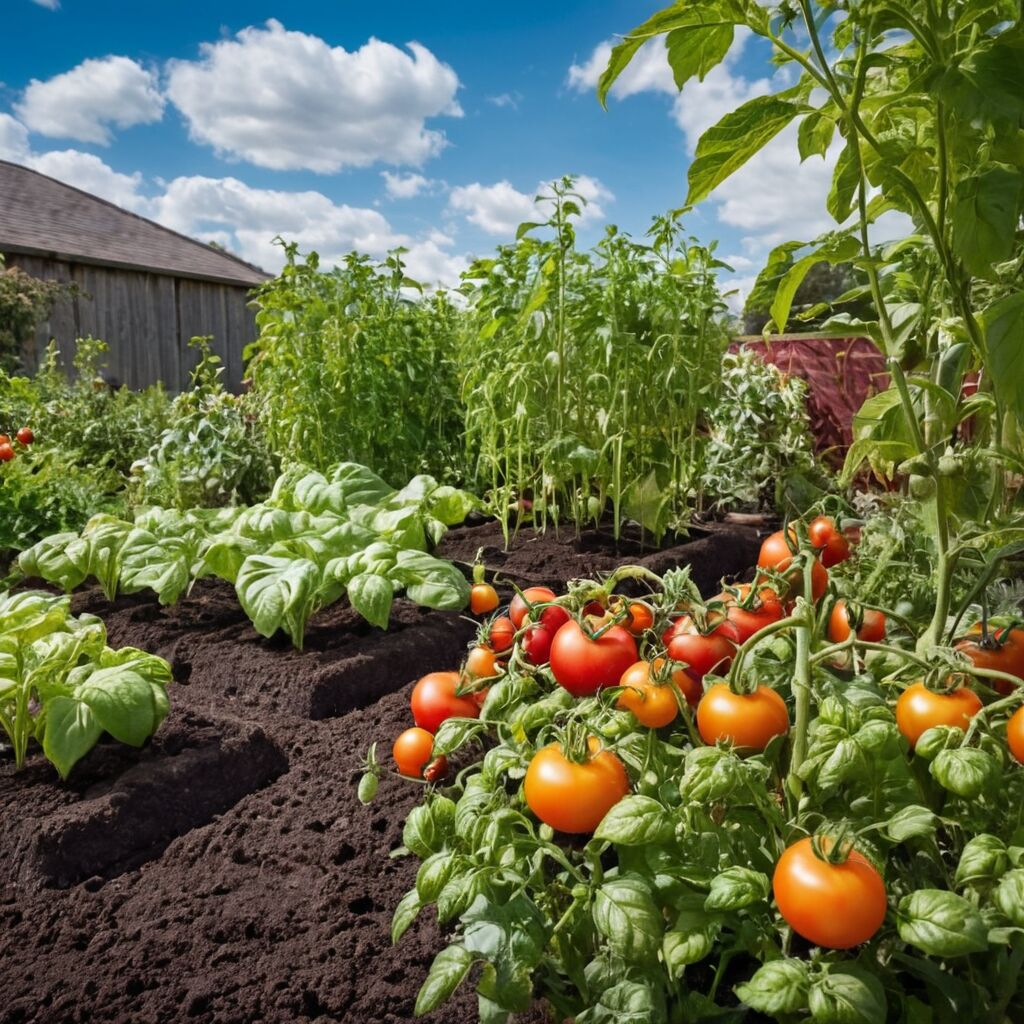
(405, 186)
(13, 139)
(648, 71)
(91, 174)
(84, 102)
(288, 100)
(507, 99)
(500, 208)
(50, 5)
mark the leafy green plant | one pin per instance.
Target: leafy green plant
(62, 686)
(317, 537)
(561, 344)
(212, 454)
(25, 301)
(356, 364)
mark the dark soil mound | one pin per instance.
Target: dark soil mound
(226, 872)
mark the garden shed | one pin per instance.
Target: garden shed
(142, 288)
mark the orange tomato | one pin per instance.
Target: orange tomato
(748, 720)
(502, 633)
(481, 663)
(412, 750)
(872, 628)
(836, 906)
(574, 797)
(483, 599)
(1003, 651)
(653, 704)
(1015, 734)
(776, 554)
(920, 709)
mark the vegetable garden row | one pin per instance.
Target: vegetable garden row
(354, 698)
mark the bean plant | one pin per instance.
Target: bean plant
(562, 344)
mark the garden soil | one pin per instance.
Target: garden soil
(226, 872)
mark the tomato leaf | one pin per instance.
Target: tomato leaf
(626, 915)
(634, 821)
(777, 987)
(941, 923)
(985, 217)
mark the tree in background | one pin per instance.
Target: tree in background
(25, 302)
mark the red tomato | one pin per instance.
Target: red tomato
(653, 704)
(537, 644)
(702, 653)
(6, 453)
(1002, 651)
(775, 554)
(5, 439)
(747, 720)
(436, 770)
(872, 629)
(412, 752)
(483, 599)
(502, 634)
(583, 665)
(824, 535)
(434, 700)
(25, 436)
(919, 709)
(749, 616)
(553, 617)
(836, 906)
(1015, 734)
(574, 797)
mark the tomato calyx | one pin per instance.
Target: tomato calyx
(833, 844)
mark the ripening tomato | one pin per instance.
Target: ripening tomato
(702, 652)
(832, 544)
(5, 439)
(639, 617)
(537, 644)
(1015, 734)
(748, 720)
(1002, 651)
(436, 770)
(483, 599)
(653, 704)
(776, 554)
(583, 665)
(573, 797)
(481, 663)
(502, 634)
(872, 628)
(749, 616)
(836, 906)
(434, 700)
(919, 709)
(412, 752)
(6, 453)
(553, 617)
(25, 436)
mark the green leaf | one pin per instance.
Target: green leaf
(371, 596)
(71, 732)
(941, 923)
(735, 888)
(815, 134)
(910, 823)
(451, 506)
(680, 949)
(984, 859)
(728, 145)
(845, 180)
(626, 915)
(1009, 896)
(431, 582)
(836, 249)
(693, 50)
(446, 973)
(966, 771)
(122, 703)
(627, 1002)
(636, 821)
(427, 826)
(405, 913)
(434, 874)
(277, 592)
(1004, 333)
(985, 217)
(847, 995)
(358, 485)
(62, 559)
(777, 987)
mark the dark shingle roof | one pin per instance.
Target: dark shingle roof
(43, 216)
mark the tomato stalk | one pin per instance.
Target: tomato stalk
(735, 672)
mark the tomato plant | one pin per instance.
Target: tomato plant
(25, 436)
(831, 543)
(6, 452)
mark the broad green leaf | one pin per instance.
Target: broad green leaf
(276, 591)
(61, 558)
(845, 181)
(985, 218)
(635, 821)
(405, 913)
(967, 771)
(450, 505)
(122, 703)
(626, 1002)
(358, 485)
(941, 923)
(626, 915)
(680, 949)
(736, 888)
(1004, 334)
(984, 859)
(71, 732)
(161, 563)
(434, 874)
(427, 826)
(1009, 896)
(836, 249)
(371, 596)
(431, 582)
(728, 145)
(777, 987)
(910, 823)
(847, 995)
(693, 50)
(815, 133)
(446, 973)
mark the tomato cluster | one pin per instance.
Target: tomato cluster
(24, 437)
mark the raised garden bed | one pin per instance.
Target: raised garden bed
(227, 872)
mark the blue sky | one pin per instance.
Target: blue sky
(360, 125)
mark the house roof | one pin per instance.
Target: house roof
(42, 216)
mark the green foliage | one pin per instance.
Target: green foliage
(355, 364)
(25, 301)
(316, 537)
(62, 686)
(560, 348)
(212, 454)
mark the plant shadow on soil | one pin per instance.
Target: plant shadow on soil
(226, 872)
